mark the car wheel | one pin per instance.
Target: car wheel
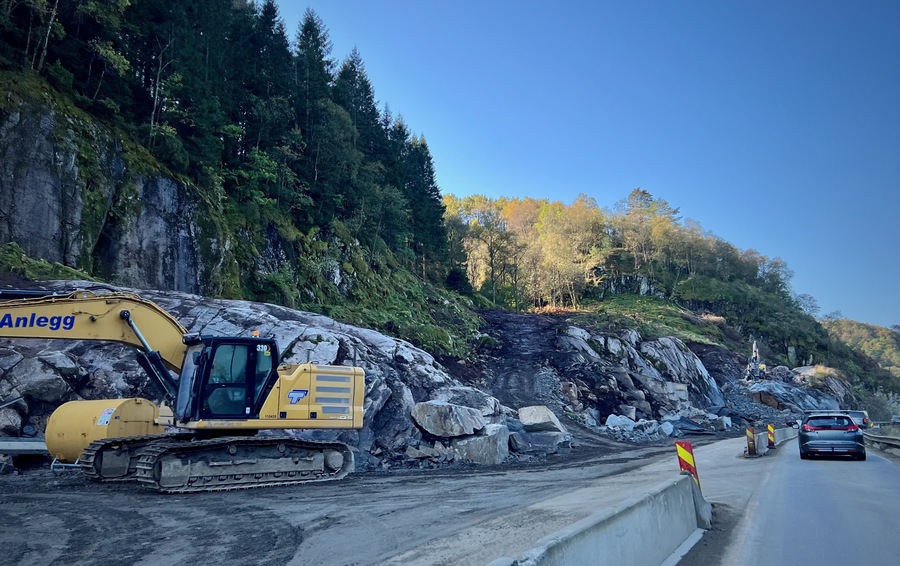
(804, 456)
(861, 457)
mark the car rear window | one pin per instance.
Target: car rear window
(829, 421)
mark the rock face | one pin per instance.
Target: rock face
(65, 205)
(677, 364)
(645, 378)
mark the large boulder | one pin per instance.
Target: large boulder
(32, 379)
(10, 422)
(491, 447)
(548, 442)
(443, 419)
(620, 421)
(9, 358)
(539, 418)
(488, 406)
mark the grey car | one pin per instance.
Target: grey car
(861, 418)
(831, 434)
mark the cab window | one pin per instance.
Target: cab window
(226, 389)
(264, 364)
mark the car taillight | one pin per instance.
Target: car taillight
(808, 428)
(852, 428)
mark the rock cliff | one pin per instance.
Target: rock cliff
(71, 192)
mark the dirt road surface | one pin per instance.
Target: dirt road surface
(459, 517)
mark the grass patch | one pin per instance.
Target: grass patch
(13, 259)
(653, 318)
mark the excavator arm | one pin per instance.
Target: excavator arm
(88, 315)
(110, 316)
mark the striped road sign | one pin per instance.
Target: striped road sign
(686, 459)
(751, 441)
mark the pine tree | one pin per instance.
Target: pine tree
(270, 113)
(429, 235)
(326, 128)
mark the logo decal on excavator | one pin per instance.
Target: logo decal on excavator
(52, 322)
(296, 395)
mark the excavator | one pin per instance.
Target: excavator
(755, 369)
(203, 437)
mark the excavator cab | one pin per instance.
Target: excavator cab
(225, 378)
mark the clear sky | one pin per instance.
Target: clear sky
(774, 124)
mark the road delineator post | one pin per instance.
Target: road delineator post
(751, 441)
(686, 459)
(771, 435)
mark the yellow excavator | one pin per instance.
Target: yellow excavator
(203, 437)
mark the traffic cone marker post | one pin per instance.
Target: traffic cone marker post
(751, 441)
(686, 459)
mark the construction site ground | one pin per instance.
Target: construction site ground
(456, 516)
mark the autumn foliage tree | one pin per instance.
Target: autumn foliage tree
(525, 253)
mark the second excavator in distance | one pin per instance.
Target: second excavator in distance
(204, 436)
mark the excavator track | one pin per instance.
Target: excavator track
(231, 463)
(115, 459)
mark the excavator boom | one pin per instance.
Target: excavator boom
(88, 315)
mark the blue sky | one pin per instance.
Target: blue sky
(775, 125)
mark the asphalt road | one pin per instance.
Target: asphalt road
(803, 512)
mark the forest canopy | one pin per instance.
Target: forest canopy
(221, 94)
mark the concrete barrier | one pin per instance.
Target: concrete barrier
(785, 434)
(672, 516)
(18, 446)
(782, 435)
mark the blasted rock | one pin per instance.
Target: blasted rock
(440, 418)
(36, 381)
(539, 418)
(10, 422)
(619, 421)
(538, 442)
(491, 447)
